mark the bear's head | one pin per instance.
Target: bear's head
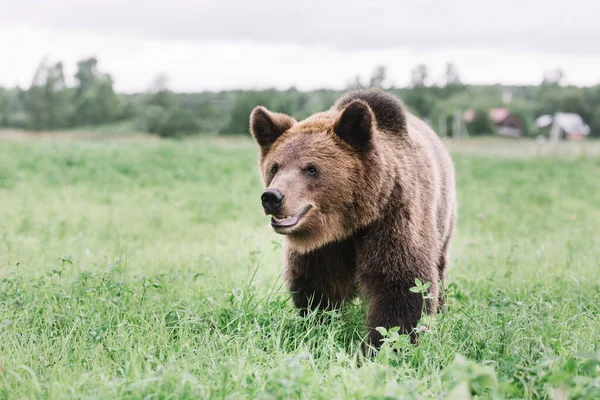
(320, 175)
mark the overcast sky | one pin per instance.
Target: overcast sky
(251, 44)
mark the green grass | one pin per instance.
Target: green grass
(147, 270)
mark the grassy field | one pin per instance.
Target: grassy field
(145, 269)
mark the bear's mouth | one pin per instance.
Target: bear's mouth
(288, 222)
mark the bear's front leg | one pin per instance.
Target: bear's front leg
(386, 271)
(390, 304)
(323, 278)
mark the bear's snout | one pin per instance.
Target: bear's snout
(271, 200)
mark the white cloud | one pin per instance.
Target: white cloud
(231, 44)
(561, 27)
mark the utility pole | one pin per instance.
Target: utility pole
(442, 128)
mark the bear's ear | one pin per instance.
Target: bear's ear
(355, 125)
(267, 126)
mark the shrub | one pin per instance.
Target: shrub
(171, 122)
(481, 124)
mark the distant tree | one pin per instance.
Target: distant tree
(5, 107)
(179, 122)
(451, 76)
(22, 119)
(451, 83)
(481, 123)
(553, 77)
(95, 99)
(551, 99)
(378, 77)
(594, 122)
(87, 74)
(163, 115)
(48, 101)
(355, 83)
(160, 83)
(419, 75)
(169, 123)
(302, 100)
(153, 119)
(420, 100)
(240, 113)
(131, 108)
(159, 93)
(162, 98)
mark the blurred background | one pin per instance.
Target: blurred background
(137, 266)
(518, 69)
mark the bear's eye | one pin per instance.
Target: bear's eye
(311, 170)
(274, 169)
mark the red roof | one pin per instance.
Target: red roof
(498, 115)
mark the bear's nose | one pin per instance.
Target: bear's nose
(271, 200)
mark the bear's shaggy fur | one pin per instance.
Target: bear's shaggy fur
(367, 205)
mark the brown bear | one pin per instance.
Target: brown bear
(365, 196)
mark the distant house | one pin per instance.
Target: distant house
(507, 124)
(564, 126)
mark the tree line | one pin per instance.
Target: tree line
(50, 104)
